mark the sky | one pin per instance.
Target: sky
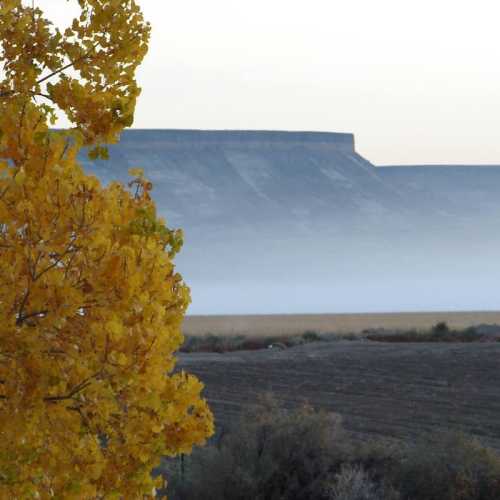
(416, 82)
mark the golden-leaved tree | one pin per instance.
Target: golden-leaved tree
(90, 303)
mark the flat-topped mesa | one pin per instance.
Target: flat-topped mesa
(250, 138)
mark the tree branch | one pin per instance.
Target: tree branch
(71, 249)
(67, 66)
(9, 93)
(21, 319)
(78, 388)
(20, 311)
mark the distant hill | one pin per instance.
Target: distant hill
(300, 222)
(456, 190)
(251, 178)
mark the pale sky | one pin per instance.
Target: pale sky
(415, 81)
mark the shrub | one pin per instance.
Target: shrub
(441, 328)
(311, 336)
(213, 343)
(439, 333)
(228, 343)
(354, 483)
(272, 453)
(223, 343)
(449, 467)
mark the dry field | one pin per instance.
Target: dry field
(385, 390)
(325, 323)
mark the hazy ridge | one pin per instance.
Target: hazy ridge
(300, 222)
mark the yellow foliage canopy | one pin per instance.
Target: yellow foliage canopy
(87, 71)
(90, 303)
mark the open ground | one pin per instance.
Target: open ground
(386, 390)
(297, 324)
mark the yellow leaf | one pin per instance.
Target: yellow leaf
(136, 172)
(115, 328)
(20, 177)
(121, 359)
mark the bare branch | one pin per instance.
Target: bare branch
(20, 311)
(21, 319)
(71, 249)
(71, 394)
(41, 94)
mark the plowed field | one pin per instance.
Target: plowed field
(385, 390)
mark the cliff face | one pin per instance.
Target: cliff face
(251, 179)
(457, 190)
(298, 221)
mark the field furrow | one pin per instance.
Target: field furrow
(389, 390)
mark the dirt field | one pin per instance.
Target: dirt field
(387, 390)
(325, 323)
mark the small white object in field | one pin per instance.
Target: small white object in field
(277, 345)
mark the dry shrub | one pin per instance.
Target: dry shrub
(449, 466)
(439, 333)
(354, 483)
(228, 343)
(273, 453)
